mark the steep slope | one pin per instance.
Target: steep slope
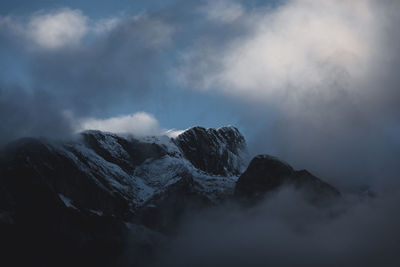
(217, 151)
(265, 174)
(74, 199)
(51, 212)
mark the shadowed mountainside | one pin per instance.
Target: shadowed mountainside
(79, 201)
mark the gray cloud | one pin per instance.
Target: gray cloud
(116, 66)
(280, 233)
(25, 114)
(73, 66)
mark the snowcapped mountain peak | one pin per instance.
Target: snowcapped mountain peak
(136, 169)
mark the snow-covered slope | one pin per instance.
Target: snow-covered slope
(104, 166)
(145, 167)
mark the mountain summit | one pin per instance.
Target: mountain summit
(219, 151)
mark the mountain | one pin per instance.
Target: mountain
(86, 199)
(266, 173)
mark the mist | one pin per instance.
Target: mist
(285, 230)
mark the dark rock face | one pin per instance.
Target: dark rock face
(218, 152)
(163, 211)
(39, 224)
(32, 161)
(266, 174)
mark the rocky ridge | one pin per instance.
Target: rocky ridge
(82, 198)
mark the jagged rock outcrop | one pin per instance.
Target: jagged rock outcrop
(266, 174)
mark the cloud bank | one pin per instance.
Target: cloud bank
(301, 46)
(138, 124)
(278, 232)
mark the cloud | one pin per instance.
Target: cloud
(64, 27)
(58, 29)
(284, 230)
(299, 46)
(173, 133)
(27, 114)
(123, 63)
(319, 75)
(138, 124)
(84, 67)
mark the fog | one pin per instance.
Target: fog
(285, 230)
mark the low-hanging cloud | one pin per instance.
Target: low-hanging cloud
(285, 230)
(138, 124)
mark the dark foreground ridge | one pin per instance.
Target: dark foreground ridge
(82, 202)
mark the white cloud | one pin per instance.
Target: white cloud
(58, 29)
(139, 124)
(51, 30)
(291, 51)
(173, 132)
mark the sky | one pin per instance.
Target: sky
(312, 82)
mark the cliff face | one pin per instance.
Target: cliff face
(217, 151)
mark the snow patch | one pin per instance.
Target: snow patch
(67, 202)
(97, 212)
